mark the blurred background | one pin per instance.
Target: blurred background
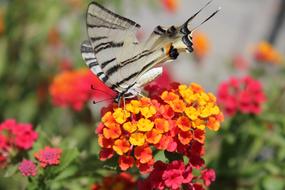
(40, 62)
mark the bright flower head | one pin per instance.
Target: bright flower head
(73, 88)
(175, 175)
(27, 168)
(48, 156)
(20, 135)
(264, 52)
(201, 45)
(170, 5)
(244, 95)
(175, 121)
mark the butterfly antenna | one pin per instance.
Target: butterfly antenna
(99, 90)
(207, 19)
(192, 17)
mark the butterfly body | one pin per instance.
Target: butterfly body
(113, 53)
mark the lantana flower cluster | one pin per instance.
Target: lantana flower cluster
(45, 157)
(73, 88)
(122, 181)
(15, 137)
(243, 95)
(175, 122)
(175, 175)
(264, 52)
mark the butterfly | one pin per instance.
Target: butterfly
(113, 53)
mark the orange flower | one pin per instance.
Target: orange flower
(121, 146)
(126, 162)
(166, 111)
(143, 154)
(184, 123)
(161, 125)
(153, 136)
(199, 135)
(171, 5)
(264, 52)
(201, 45)
(73, 88)
(185, 137)
(178, 105)
(105, 143)
(108, 119)
(112, 132)
(169, 96)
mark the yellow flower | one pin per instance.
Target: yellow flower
(137, 139)
(192, 113)
(133, 106)
(186, 93)
(199, 124)
(145, 125)
(148, 111)
(121, 115)
(130, 127)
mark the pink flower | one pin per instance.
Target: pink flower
(27, 168)
(25, 136)
(20, 135)
(172, 178)
(48, 156)
(208, 176)
(243, 95)
(168, 176)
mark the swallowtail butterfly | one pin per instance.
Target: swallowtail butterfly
(114, 54)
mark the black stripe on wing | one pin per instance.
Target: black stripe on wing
(91, 61)
(107, 45)
(115, 68)
(113, 14)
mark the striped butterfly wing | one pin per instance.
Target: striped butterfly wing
(111, 36)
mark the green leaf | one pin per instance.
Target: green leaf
(68, 172)
(11, 170)
(272, 183)
(67, 158)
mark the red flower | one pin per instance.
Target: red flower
(73, 89)
(27, 168)
(245, 95)
(208, 175)
(15, 136)
(169, 176)
(48, 156)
